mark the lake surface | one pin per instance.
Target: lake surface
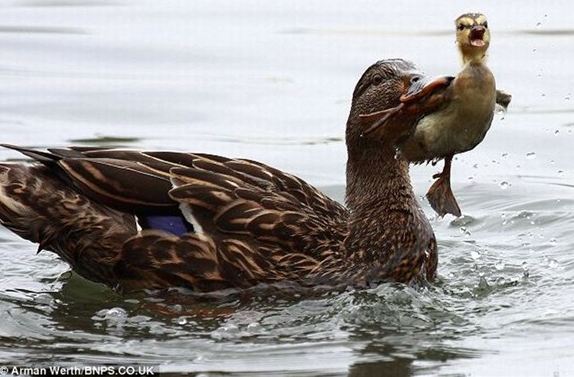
(272, 81)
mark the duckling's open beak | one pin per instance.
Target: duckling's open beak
(476, 36)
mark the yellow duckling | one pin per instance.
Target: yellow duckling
(454, 112)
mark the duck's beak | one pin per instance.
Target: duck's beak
(476, 36)
(422, 87)
(417, 97)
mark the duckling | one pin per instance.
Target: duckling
(454, 112)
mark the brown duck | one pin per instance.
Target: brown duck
(454, 112)
(152, 220)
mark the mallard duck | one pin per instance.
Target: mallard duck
(455, 112)
(152, 220)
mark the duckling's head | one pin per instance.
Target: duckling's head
(472, 36)
(380, 88)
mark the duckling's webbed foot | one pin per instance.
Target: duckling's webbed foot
(440, 195)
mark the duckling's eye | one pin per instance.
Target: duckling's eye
(415, 79)
(376, 80)
(485, 24)
(460, 27)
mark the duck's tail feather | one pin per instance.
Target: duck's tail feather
(39, 207)
(40, 156)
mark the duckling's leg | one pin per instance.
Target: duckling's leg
(440, 195)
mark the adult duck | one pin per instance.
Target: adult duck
(454, 113)
(152, 220)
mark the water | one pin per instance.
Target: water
(272, 81)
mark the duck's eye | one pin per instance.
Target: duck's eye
(377, 79)
(415, 79)
(485, 24)
(460, 27)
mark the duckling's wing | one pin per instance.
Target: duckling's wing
(503, 99)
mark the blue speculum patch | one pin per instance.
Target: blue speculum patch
(172, 224)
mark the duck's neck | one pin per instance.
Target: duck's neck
(376, 180)
(386, 224)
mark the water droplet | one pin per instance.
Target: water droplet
(531, 155)
(505, 154)
(499, 266)
(538, 24)
(556, 132)
(464, 231)
(470, 178)
(533, 50)
(567, 98)
(553, 263)
(504, 185)
(560, 172)
(115, 313)
(176, 308)
(482, 283)
(475, 166)
(553, 241)
(474, 254)
(181, 321)
(543, 94)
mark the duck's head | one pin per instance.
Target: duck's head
(472, 36)
(380, 88)
(373, 171)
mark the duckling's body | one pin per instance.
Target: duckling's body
(463, 121)
(453, 113)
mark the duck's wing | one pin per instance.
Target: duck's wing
(136, 180)
(128, 180)
(253, 222)
(242, 197)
